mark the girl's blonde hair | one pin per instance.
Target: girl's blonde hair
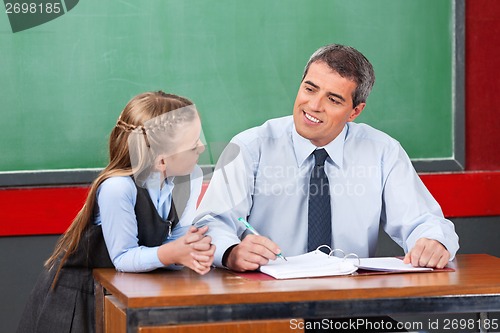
(138, 111)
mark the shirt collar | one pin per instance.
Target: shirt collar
(157, 192)
(303, 148)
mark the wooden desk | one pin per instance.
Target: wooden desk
(180, 297)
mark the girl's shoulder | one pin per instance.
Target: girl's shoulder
(118, 187)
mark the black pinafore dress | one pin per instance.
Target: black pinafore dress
(69, 307)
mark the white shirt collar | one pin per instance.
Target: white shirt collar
(303, 147)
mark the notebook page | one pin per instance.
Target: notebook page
(312, 264)
(386, 264)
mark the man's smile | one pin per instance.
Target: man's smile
(311, 118)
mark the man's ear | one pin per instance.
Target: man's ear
(356, 111)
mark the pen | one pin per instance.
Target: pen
(253, 231)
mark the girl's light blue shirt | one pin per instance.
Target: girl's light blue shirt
(116, 198)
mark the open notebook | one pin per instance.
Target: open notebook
(317, 263)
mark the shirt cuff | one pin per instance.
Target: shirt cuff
(220, 251)
(226, 255)
(150, 257)
(141, 259)
(448, 240)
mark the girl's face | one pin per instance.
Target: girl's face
(188, 149)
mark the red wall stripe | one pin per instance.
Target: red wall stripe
(46, 211)
(39, 211)
(465, 194)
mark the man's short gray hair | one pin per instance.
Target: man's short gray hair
(348, 63)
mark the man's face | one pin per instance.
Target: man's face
(324, 104)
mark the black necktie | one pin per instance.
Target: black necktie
(319, 214)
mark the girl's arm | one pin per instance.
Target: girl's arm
(116, 198)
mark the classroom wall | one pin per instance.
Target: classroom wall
(22, 256)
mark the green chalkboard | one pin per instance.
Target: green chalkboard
(65, 82)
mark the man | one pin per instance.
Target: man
(266, 174)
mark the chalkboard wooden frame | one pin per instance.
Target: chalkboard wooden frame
(457, 162)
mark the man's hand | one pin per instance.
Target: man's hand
(427, 253)
(253, 252)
